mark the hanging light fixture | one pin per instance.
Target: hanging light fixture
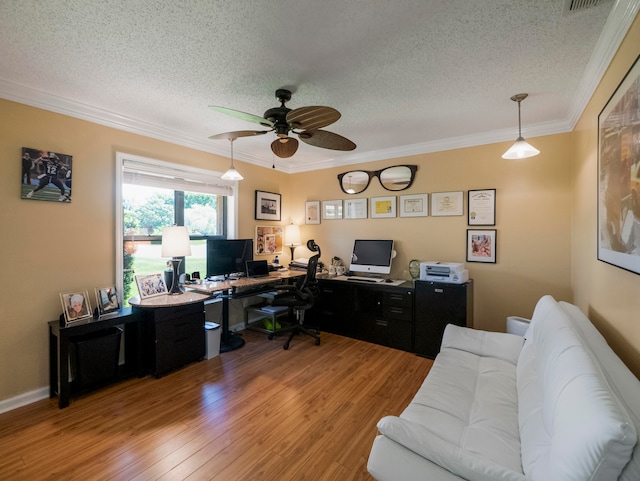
(232, 173)
(521, 149)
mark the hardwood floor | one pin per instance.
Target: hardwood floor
(259, 413)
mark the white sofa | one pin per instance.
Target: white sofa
(554, 405)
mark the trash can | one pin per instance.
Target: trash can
(94, 356)
(213, 339)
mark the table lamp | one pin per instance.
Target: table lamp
(292, 237)
(175, 244)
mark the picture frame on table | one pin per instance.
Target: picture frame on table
(355, 208)
(312, 212)
(151, 285)
(619, 175)
(481, 208)
(383, 207)
(482, 245)
(107, 299)
(446, 204)
(268, 205)
(76, 306)
(331, 209)
(414, 205)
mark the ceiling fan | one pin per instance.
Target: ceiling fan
(305, 122)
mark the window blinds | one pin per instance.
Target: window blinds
(174, 176)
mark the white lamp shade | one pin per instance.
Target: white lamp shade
(232, 174)
(292, 235)
(521, 149)
(175, 241)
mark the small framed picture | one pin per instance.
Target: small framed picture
(267, 205)
(415, 205)
(312, 212)
(355, 208)
(46, 175)
(481, 245)
(151, 285)
(269, 240)
(76, 306)
(383, 207)
(107, 299)
(482, 207)
(331, 209)
(446, 203)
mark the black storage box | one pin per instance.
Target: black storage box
(94, 357)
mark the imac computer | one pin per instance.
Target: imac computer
(372, 256)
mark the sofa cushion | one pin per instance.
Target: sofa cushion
(468, 400)
(572, 427)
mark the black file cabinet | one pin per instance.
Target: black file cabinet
(175, 336)
(436, 305)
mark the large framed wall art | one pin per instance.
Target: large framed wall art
(619, 175)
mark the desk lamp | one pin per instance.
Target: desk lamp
(292, 236)
(175, 244)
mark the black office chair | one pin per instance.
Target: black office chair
(301, 297)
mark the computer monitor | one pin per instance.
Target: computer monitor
(228, 256)
(372, 256)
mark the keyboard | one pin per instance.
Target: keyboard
(365, 279)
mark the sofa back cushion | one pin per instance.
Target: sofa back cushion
(572, 427)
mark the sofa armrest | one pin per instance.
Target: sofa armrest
(498, 345)
(462, 463)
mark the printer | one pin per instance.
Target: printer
(451, 272)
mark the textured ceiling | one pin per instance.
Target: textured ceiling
(408, 76)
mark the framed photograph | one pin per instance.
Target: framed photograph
(46, 175)
(355, 208)
(619, 175)
(415, 205)
(481, 207)
(267, 205)
(481, 245)
(76, 306)
(446, 203)
(383, 207)
(107, 299)
(269, 240)
(312, 212)
(331, 209)
(151, 285)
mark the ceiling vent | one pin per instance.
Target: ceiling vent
(573, 6)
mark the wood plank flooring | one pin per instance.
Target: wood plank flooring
(259, 413)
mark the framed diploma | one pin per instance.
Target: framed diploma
(446, 203)
(355, 209)
(482, 207)
(415, 205)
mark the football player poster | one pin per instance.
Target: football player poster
(46, 175)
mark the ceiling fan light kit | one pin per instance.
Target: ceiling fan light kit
(232, 173)
(521, 149)
(305, 122)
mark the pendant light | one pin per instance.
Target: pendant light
(520, 149)
(232, 173)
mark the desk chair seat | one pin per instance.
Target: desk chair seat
(301, 297)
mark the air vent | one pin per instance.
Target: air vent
(572, 6)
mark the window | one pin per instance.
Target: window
(153, 194)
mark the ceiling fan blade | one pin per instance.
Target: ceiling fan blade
(256, 119)
(284, 149)
(312, 118)
(326, 140)
(238, 133)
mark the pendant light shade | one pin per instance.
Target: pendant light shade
(521, 149)
(232, 173)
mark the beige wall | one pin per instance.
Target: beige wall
(609, 295)
(546, 222)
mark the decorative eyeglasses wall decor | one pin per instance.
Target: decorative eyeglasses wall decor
(394, 178)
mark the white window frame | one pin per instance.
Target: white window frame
(159, 173)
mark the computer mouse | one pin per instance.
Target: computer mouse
(388, 280)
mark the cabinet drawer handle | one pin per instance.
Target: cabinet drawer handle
(439, 291)
(381, 322)
(396, 297)
(396, 310)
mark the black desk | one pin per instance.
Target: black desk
(237, 289)
(59, 348)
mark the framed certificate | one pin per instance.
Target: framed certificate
(415, 205)
(446, 203)
(482, 207)
(355, 209)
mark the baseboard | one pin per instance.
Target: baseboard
(24, 399)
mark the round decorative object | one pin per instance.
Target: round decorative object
(414, 268)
